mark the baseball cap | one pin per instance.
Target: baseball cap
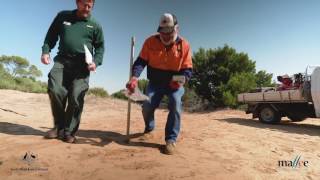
(167, 23)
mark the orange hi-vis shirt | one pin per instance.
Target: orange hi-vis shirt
(163, 62)
(173, 58)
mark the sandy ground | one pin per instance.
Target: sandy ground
(225, 144)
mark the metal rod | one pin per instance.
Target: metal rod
(130, 74)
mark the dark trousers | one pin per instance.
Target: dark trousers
(67, 85)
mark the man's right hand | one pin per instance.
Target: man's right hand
(132, 84)
(174, 85)
(45, 58)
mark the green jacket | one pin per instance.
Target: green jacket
(73, 33)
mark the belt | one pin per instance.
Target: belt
(72, 56)
(72, 61)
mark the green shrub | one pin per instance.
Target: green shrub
(98, 91)
(16, 73)
(7, 84)
(119, 95)
(30, 85)
(229, 99)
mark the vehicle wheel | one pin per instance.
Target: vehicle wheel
(269, 115)
(296, 118)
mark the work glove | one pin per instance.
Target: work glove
(132, 84)
(177, 81)
(174, 85)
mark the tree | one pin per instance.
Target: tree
(34, 72)
(238, 83)
(3, 73)
(220, 74)
(264, 79)
(16, 73)
(15, 65)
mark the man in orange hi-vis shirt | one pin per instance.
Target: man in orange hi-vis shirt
(168, 58)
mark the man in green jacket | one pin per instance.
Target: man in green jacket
(69, 77)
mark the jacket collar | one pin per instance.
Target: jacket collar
(81, 19)
(178, 40)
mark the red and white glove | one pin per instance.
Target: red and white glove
(132, 84)
(174, 85)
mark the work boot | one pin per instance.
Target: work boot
(53, 133)
(147, 136)
(170, 148)
(69, 139)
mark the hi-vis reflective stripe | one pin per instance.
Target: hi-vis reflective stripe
(67, 23)
(89, 26)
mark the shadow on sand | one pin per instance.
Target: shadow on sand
(284, 126)
(83, 136)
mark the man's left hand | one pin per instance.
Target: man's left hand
(92, 67)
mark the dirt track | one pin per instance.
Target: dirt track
(225, 144)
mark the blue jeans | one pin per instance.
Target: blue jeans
(155, 94)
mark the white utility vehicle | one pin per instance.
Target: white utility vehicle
(297, 98)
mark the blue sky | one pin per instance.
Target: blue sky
(282, 36)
